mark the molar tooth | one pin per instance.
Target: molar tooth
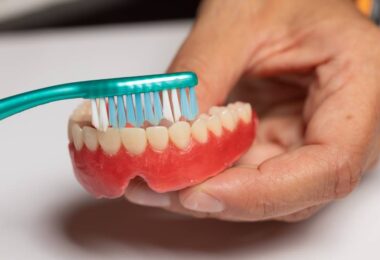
(215, 110)
(90, 138)
(77, 137)
(214, 125)
(227, 119)
(158, 137)
(233, 110)
(243, 114)
(110, 140)
(248, 110)
(134, 140)
(199, 130)
(180, 133)
(204, 116)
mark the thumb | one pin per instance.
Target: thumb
(280, 186)
(217, 50)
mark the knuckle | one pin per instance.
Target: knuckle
(347, 172)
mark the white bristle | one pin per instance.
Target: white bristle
(103, 117)
(176, 107)
(94, 113)
(166, 107)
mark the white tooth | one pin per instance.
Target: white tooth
(227, 119)
(243, 114)
(110, 140)
(77, 137)
(214, 125)
(134, 140)
(204, 116)
(248, 110)
(215, 110)
(199, 130)
(180, 133)
(90, 138)
(158, 137)
(233, 110)
(69, 130)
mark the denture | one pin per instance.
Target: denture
(168, 157)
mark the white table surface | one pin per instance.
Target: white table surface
(45, 214)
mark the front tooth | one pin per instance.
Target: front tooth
(199, 130)
(69, 130)
(158, 137)
(77, 136)
(180, 133)
(134, 140)
(214, 125)
(110, 140)
(90, 138)
(227, 119)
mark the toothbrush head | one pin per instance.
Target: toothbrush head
(135, 100)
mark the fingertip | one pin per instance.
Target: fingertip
(139, 193)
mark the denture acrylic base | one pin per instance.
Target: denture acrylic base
(172, 169)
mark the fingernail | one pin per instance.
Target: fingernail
(202, 202)
(147, 197)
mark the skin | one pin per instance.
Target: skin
(311, 69)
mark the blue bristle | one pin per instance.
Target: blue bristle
(185, 104)
(157, 107)
(148, 108)
(112, 112)
(130, 110)
(121, 116)
(139, 110)
(194, 110)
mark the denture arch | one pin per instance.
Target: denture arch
(168, 157)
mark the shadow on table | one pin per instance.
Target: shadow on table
(118, 221)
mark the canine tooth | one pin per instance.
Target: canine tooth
(90, 138)
(215, 110)
(180, 133)
(199, 130)
(158, 137)
(214, 125)
(134, 140)
(110, 140)
(77, 137)
(227, 119)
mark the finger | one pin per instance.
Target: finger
(329, 166)
(216, 49)
(139, 193)
(301, 215)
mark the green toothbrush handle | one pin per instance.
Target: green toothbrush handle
(18, 103)
(96, 89)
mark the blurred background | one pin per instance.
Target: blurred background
(39, 14)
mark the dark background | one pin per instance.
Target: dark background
(95, 12)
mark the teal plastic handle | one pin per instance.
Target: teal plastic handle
(96, 89)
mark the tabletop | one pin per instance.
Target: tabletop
(46, 214)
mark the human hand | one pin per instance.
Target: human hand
(312, 70)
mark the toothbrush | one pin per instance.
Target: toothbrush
(120, 101)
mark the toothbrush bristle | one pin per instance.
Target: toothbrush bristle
(112, 112)
(135, 109)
